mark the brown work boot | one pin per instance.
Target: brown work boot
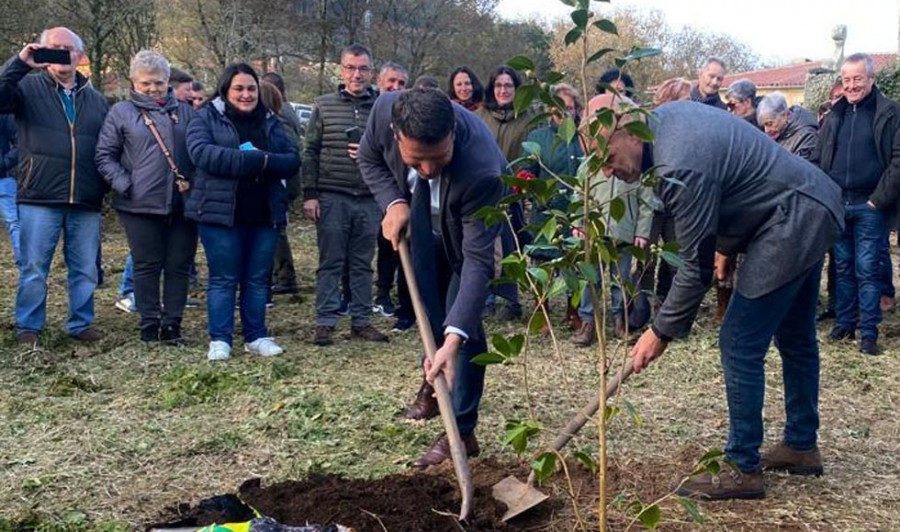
(440, 451)
(730, 483)
(424, 406)
(323, 335)
(89, 336)
(783, 458)
(585, 335)
(368, 333)
(27, 338)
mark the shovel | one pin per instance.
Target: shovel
(448, 418)
(520, 496)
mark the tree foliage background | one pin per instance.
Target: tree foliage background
(302, 38)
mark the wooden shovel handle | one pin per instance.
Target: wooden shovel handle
(448, 418)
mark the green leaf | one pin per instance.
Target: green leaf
(548, 231)
(640, 130)
(560, 286)
(713, 467)
(691, 509)
(537, 323)
(589, 272)
(532, 148)
(672, 259)
(711, 455)
(649, 516)
(611, 412)
(518, 432)
(501, 344)
(540, 275)
(554, 77)
(544, 466)
(587, 461)
(606, 25)
(580, 18)
(573, 35)
(632, 411)
(596, 56)
(521, 62)
(567, 130)
(516, 343)
(524, 96)
(486, 359)
(617, 209)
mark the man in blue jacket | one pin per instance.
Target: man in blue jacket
(9, 158)
(432, 165)
(59, 116)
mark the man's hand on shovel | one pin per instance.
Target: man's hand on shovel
(444, 360)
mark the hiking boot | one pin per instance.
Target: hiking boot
(88, 336)
(729, 483)
(424, 406)
(440, 451)
(368, 333)
(218, 350)
(783, 458)
(585, 335)
(384, 306)
(150, 333)
(171, 335)
(284, 289)
(839, 333)
(27, 338)
(323, 335)
(264, 347)
(869, 346)
(403, 324)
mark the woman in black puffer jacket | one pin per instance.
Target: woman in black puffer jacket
(242, 154)
(149, 196)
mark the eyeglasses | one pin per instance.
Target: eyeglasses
(360, 69)
(504, 86)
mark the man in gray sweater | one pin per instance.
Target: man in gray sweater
(732, 190)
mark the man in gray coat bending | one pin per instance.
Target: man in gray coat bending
(738, 192)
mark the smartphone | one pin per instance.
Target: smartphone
(354, 134)
(51, 55)
(247, 146)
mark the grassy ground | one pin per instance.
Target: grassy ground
(105, 437)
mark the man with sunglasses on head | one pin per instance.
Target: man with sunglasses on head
(336, 198)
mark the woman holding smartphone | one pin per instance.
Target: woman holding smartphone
(242, 154)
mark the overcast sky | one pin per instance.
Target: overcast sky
(775, 29)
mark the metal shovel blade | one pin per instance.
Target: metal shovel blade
(517, 496)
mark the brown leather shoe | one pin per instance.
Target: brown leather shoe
(89, 336)
(585, 335)
(440, 451)
(323, 335)
(368, 333)
(27, 338)
(783, 458)
(424, 406)
(730, 483)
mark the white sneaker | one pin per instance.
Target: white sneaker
(264, 347)
(219, 350)
(126, 304)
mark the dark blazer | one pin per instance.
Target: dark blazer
(212, 142)
(9, 146)
(470, 182)
(737, 192)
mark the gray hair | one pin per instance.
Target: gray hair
(79, 44)
(390, 65)
(149, 61)
(863, 58)
(742, 89)
(771, 105)
(717, 60)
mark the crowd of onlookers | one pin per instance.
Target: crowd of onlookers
(225, 170)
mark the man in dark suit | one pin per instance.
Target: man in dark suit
(432, 165)
(732, 190)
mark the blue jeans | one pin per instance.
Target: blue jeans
(887, 268)
(788, 314)
(237, 256)
(127, 285)
(10, 214)
(41, 228)
(620, 272)
(860, 271)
